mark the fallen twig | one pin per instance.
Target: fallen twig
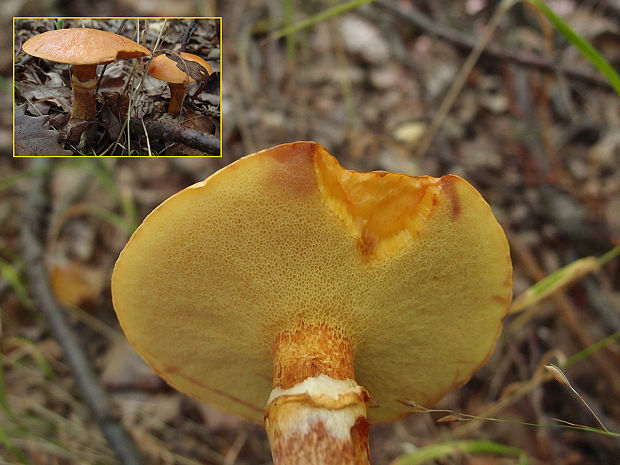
(413, 16)
(174, 133)
(458, 83)
(86, 379)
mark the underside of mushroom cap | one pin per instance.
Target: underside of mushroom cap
(414, 273)
(83, 46)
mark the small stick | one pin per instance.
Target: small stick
(188, 33)
(456, 87)
(118, 31)
(190, 137)
(148, 141)
(415, 17)
(86, 379)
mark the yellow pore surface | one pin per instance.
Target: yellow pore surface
(414, 273)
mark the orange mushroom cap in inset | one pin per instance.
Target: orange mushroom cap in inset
(166, 69)
(84, 49)
(83, 46)
(413, 273)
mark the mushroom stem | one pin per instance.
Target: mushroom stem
(316, 413)
(83, 83)
(177, 93)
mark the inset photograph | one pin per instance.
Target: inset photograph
(116, 87)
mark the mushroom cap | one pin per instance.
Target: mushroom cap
(415, 270)
(165, 69)
(83, 46)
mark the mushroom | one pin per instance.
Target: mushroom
(84, 49)
(289, 290)
(166, 69)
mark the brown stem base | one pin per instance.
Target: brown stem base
(316, 413)
(177, 94)
(320, 421)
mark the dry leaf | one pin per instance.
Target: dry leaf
(199, 123)
(124, 369)
(33, 136)
(216, 419)
(59, 96)
(195, 70)
(74, 283)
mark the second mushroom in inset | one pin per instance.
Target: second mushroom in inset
(178, 74)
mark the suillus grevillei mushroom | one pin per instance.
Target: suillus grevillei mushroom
(83, 48)
(166, 69)
(287, 289)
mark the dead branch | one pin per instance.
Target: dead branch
(175, 133)
(415, 17)
(87, 382)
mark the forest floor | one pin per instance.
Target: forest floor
(533, 127)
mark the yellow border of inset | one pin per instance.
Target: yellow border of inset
(118, 17)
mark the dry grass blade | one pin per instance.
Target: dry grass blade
(559, 279)
(561, 378)
(461, 78)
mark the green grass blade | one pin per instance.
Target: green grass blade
(38, 356)
(103, 172)
(9, 272)
(436, 451)
(4, 400)
(585, 353)
(609, 256)
(10, 180)
(556, 280)
(319, 17)
(105, 175)
(561, 278)
(584, 47)
(4, 440)
(289, 8)
(119, 222)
